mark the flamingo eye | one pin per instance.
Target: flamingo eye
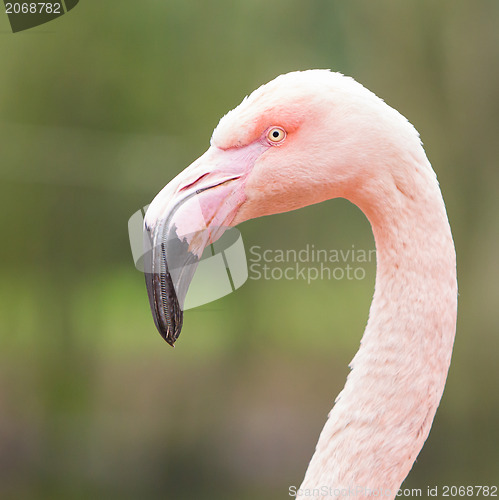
(276, 135)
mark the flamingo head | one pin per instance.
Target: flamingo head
(292, 142)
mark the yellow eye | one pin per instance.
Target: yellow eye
(276, 135)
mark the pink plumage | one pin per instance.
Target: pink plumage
(340, 140)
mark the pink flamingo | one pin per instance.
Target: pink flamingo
(303, 138)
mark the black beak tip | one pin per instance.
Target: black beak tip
(172, 332)
(170, 340)
(166, 311)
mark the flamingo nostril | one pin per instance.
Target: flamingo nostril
(187, 186)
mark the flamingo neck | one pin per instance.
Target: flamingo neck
(383, 415)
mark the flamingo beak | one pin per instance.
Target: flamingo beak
(192, 211)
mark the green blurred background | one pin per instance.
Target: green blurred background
(102, 107)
